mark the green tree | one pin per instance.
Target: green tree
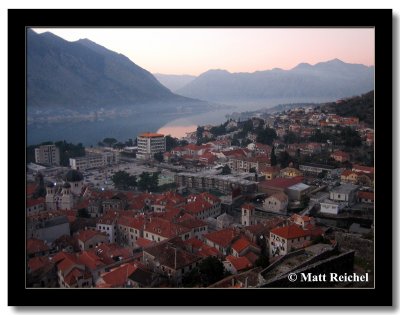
(273, 157)
(266, 136)
(40, 190)
(123, 180)
(291, 137)
(226, 170)
(171, 142)
(262, 261)
(148, 182)
(284, 159)
(209, 271)
(110, 141)
(69, 150)
(83, 213)
(199, 132)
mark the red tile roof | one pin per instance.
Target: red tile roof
(142, 242)
(366, 195)
(34, 246)
(239, 263)
(290, 232)
(90, 260)
(197, 206)
(86, 235)
(151, 135)
(241, 244)
(363, 168)
(118, 277)
(252, 257)
(248, 206)
(165, 228)
(34, 202)
(37, 263)
(132, 222)
(281, 182)
(223, 237)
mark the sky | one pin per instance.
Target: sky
(194, 51)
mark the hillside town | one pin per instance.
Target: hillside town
(238, 205)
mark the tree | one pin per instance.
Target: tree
(148, 182)
(253, 170)
(209, 271)
(129, 143)
(69, 150)
(226, 170)
(159, 157)
(83, 213)
(290, 137)
(266, 136)
(40, 190)
(123, 180)
(273, 157)
(284, 159)
(110, 141)
(199, 132)
(119, 145)
(171, 142)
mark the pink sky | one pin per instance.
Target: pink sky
(194, 51)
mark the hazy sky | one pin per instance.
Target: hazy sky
(194, 51)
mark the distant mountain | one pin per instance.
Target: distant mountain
(358, 106)
(174, 81)
(332, 80)
(83, 75)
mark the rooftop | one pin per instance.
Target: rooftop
(151, 135)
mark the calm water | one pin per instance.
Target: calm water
(130, 125)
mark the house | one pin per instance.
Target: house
(197, 247)
(290, 172)
(197, 227)
(366, 196)
(297, 191)
(363, 169)
(345, 193)
(158, 230)
(41, 272)
(221, 240)
(71, 273)
(129, 230)
(245, 164)
(248, 217)
(88, 239)
(237, 264)
(224, 221)
(301, 220)
(117, 277)
(349, 176)
(170, 260)
(340, 156)
(331, 207)
(277, 202)
(242, 246)
(277, 185)
(283, 239)
(34, 206)
(108, 223)
(36, 247)
(270, 172)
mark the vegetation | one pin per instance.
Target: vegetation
(262, 261)
(159, 157)
(123, 180)
(209, 271)
(110, 141)
(266, 136)
(172, 142)
(273, 157)
(226, 170)
(284, 159)
(148, 182)
(83, 213)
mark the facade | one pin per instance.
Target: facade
(290, 172)
(47, 154)
(89, 239)
(315, 169)
(248, 218)
(48, 226)
(277, 202)
(245, 164)
(345, 193)
(149, 144)
(297, 191)
(94, 160)
(331, 207)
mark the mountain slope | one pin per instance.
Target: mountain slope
(174, 81)
(332, 79)
(84, 75)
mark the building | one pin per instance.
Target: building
(221, 240)
(48, 226)
(245, 164)
(270, 172)
(150, 144)
(88, 239)
(248, 211)
(297, 191)
(345, 193)
(290, 172)
(277, 202)
(315, 169)
(331, 207)
(47, 154)
(340, 156)
(237, 264)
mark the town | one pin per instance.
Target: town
(238, 205)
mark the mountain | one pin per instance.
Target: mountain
(331, 80)
(358, 106)
(174, 81)
(83, 75)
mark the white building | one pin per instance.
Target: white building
(331, 207)
(277, 202)
(345, 193)
(93, 160)
(149, 144)
(47, 154)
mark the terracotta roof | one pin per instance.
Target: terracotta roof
(165, 254)
(117, 277)
(281, 182)
(239, 263)
(34, 202)
(248, 206)
(366, 195)
(363, 168)
(65, 261)
(164, 228)
(37, 263)
(241, 244)
(34, 246)
(290, 232)
(197, 206)
(340, 154)
(348, 172)
(222, 238)
(193, 223)
(109, 218)
(90, 260)
(86, 235)
(31, 188)
(142, 242)
(252, 257)
(151, 135)
(132, 222)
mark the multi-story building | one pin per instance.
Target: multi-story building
(150, 144)
(47, 154)
(93, 160)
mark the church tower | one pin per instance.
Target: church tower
(248, 214)
(67, 199)
(50, 197)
